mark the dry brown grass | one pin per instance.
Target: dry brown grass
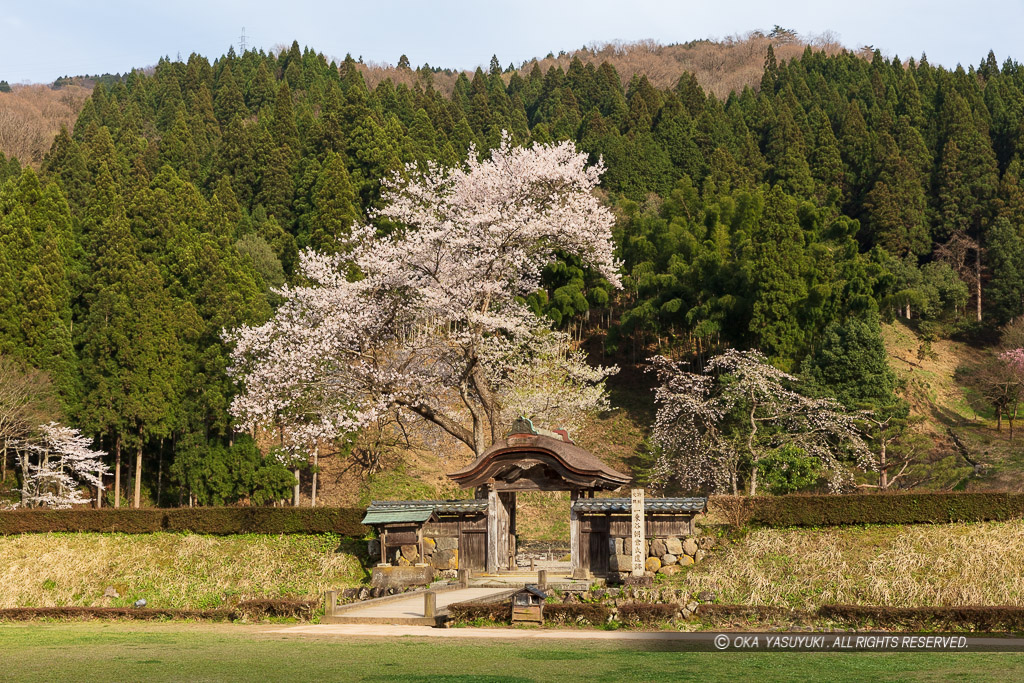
(898, 566)
(720, 66)
(169, 570)
(31, 115)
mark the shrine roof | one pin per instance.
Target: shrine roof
(576, 461)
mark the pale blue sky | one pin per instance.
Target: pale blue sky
(44, 39)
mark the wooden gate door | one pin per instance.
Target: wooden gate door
(596, 544)
(473, 550)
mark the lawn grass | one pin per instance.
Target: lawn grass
(201, 652)
(173, 570)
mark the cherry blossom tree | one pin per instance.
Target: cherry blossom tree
(717, 428)
(427, 318)
(55, 464)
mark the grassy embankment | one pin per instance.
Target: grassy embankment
(954, 423)
(184, 571)
(897, 566)
(228, 652)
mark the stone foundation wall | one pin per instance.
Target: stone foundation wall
(441, 553)
(664, 555)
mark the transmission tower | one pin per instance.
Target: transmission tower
(241, 41)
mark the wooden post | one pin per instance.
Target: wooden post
(542, 579)
(578, 571)
(463, 578)
(384, 545)
(494, 546)
(430, 604)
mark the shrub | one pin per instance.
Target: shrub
(75, 612)
(488, 611)
(984, 618)
(204, 520)
(873, 508)
(250, 609)
(262, 609)
(646, 612)
(98, 521)
(732, 612)
(568, 613)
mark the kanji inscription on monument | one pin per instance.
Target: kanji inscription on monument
(639, 540)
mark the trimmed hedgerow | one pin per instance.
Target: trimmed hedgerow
(984, 618)
(878, 508)
(262, 609)
(227, 520)
(731, 612)
(76, 612)
(569, 613)
(97, 521)
(646, 612)
(205, 520)
(249, 609)
(489, 611)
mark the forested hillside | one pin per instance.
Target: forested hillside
(794, 217)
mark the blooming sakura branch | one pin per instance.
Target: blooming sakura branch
(428, 318)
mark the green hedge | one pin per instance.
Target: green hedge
(253, 610)
(202, 520)
(984, 618)
(875, 508)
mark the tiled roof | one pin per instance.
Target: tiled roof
(650, 505)
(576, 461)
(414, 507)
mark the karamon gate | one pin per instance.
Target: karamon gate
(483, 529)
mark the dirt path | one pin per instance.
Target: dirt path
(393, 631)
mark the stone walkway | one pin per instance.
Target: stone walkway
(412, 607)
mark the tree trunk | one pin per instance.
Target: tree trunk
(117, 472)
(3, 460)
(315, 461)
(159, 471)
(753, 480)
(977, 278)
(99, 491)
(138, 475)
(908, 312)
(883, 468)
(22, 457)
(295, 491)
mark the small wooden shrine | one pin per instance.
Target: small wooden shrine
(528, 605)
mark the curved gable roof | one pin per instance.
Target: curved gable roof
(576, 466)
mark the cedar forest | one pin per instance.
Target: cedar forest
(794, 217)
